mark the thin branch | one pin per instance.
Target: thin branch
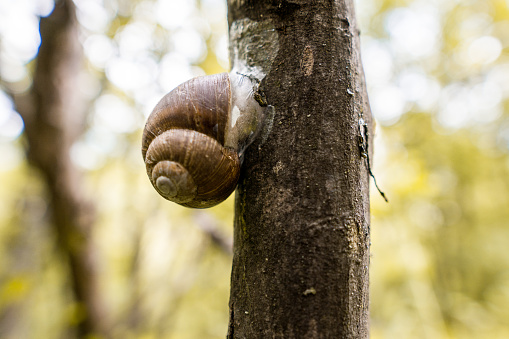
(209, 226)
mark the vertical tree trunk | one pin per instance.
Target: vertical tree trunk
(301, 237)
(53, 116)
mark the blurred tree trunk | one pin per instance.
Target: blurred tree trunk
(53, 116)
(301, 237)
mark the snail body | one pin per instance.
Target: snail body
(194, 138)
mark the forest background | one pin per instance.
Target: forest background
(438, 80)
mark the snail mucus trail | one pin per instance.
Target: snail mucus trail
(195, 137)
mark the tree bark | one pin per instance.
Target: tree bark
(301, 233)
(53, 116)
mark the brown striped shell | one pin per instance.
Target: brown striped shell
(183, 143)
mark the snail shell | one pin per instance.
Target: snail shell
(193, 137)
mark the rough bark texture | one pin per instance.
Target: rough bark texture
(53, 119)
(301, 238)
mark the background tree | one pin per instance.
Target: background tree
(53, 115)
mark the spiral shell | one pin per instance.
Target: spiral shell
(187, 146)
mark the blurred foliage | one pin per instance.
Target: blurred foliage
(440, 267)
(438, 78)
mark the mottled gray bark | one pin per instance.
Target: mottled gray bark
(301, 238)
(53, 118)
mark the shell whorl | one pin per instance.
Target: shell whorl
(183, 143)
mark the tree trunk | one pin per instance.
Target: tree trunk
(53, 116)
(301, 237)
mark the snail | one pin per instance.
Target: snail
(194, 139)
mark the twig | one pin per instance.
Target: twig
(363, 146)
